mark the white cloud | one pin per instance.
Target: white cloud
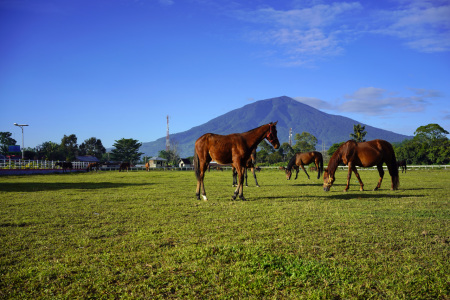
(318, 31)
(301, 34)
(422, 25)
(315, 102)
(373, 101)
(377, 101)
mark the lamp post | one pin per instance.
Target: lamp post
(21, 126)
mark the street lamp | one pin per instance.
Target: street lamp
(21, 126)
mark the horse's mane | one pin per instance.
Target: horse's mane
(291, 162)
(336, 158)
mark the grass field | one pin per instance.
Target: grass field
(110, 235)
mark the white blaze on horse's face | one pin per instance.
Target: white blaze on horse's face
(327, 181)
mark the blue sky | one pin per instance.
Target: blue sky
(115, 69)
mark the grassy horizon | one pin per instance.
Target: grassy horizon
(111, 235)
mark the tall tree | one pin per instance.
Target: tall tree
(5, 141)
(92, 146)
(306, 142)
(69, 147)
(358, 133)
(286, 151)
(126, 150)
(50, 151)
(430, 133)
(333, 148)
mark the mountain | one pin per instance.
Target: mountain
(327, 128)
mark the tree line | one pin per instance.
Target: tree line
(429, 145)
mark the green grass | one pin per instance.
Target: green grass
(142, 234)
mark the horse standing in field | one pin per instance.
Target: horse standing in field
(92, 166)
(147, 166)
(302, 159)
(402, 165)
(250, 164)
(124, 166)
(365, 154)
(65, 165)
(234, 149)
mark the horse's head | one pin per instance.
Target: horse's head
(288, 173)
(272, 135)
(328, 180)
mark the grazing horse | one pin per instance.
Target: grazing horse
(124, 166)
(234, 149)
(147, 166)
(65, 165)
(250, 164)
(366, 154)
(402, 165)
(92, 166)
(302, 159)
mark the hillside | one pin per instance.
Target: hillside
(289, 113)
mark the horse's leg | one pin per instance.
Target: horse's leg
(349, 176)
(245, 175)
(234, 177)
(359, 179)
(303, 167)
(240, 188)
(296, 174)
(381, 172)
(254, 175)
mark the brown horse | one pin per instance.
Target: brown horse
(302, 159)
(124, 166)
(402, 165)
(92, 166)
(366, 154)
(234, 149)
(250, 164)
(147, 166)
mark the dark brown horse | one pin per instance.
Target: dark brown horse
(93, 165)
(366, 154)
(402, 165)
(234, 149)
(302, 159)
(250, 164)
(124, 166)
(65, 165)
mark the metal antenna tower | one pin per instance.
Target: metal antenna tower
(167, 135)
(290, 137)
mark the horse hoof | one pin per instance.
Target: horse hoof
(257, 186)
(242, 198)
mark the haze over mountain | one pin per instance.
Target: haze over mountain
(327, 128)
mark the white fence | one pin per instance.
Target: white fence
(46, 165)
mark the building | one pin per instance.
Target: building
(157, 162)
(184, 163)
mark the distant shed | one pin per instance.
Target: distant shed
(157, 162)
(184, 163)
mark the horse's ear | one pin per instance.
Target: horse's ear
(275, 123)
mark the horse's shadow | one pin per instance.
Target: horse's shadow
(26, 187)
(368, 196)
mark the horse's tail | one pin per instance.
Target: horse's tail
(196, 165)
(320, 166)
(391, 163)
